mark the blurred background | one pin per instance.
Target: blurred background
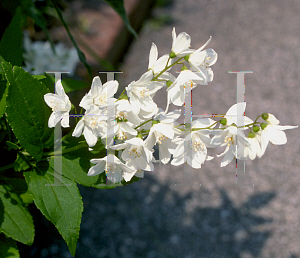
(208, 215)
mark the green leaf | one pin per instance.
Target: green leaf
(8, 248)
(118, 6)
(17, 221)
(81, 55)
(75, 169)
(26, 111)
(68, 84)
(12, 145)
(3, 95)
(61, 204)
(39, 77)
(21, 163)
(11, 42)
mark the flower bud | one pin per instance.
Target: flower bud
(255, 128)
(263, 125)
(265, 116)
(172, 54)
(186, 58)
(223, 121)
(169, 83)
(251, 135)
(184, 67)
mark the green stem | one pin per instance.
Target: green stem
(7, 167)
(143, 123)
(167, 67)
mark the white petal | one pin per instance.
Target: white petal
(111, 88)
(97, 169)
(152, 55)
(78, 129)
(65, 120)
(96, 87)
(89, 136)
(276, 137)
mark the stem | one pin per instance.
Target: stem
(143, 124)
(123, 92)
(166, 68)
(7, 167)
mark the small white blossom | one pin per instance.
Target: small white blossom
(112, 166)
(99, 94)
(60, 105)
(141, 92)
(93, 125)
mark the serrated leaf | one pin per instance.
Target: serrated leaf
(11, 42)
(3, 95)
(17, 221)
(118, 6)
(61, 204)
(75, 169)
(8, 248)
(26, 111)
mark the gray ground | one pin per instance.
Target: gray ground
(157, 217)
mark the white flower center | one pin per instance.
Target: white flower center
(110, 168)
(188, 84)
(161, 139)
(121, 115)
(229, 140)
(101, 100)
(143, 93)
(54, 105)
(198, 144)
(121, 135)
(135, 152)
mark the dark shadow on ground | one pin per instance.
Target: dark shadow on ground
(148, 219)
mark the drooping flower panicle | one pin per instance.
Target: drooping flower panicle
(137, 126)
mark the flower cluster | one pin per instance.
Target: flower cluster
(136, 124)
(39, 57)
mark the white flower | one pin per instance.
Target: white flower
(113, 167)
(235, 112)
(181, 44)
(193, 149)
(163, 133)
(141, 92)
(234, 139)
(157, 65)
(39, 57)
(274, 133)
(201, 60)
(136, 154)
(184, 83)
(99, 94)
(250, 152)
(93, 124)
(125, 112)
(60, 105)
(272, 120)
